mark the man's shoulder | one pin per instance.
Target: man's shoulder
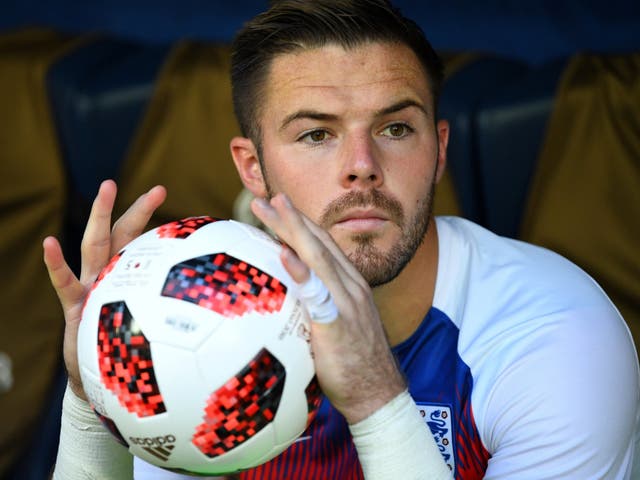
(490, 285)
(546, 347)
(507, 268)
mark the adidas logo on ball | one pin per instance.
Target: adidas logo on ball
(159, 447)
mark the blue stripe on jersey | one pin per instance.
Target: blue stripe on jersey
(436, 375)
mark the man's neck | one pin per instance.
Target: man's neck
(405, 301)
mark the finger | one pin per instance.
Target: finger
(287, 223)
(318, 300)
(283, 205)
(311, 242)
(95, 248)
(298, 270)
(135, 219)
(68, 288)
(333, 247)
(312, 292)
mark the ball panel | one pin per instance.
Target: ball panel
(111, 426)
(259, 449)
(183, 391)
(225, 285)
(183, 228)
(106, 270)
(142, 264)
(242, 407)
(124, 358)
(95, 391)
(173, 322)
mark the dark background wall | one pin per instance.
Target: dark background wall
(532, 30)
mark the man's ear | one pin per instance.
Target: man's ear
(245, 156)
(442, 130)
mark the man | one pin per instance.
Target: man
(518, 364)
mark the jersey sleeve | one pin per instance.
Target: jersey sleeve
(566, 404)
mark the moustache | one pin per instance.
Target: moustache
(370, 198)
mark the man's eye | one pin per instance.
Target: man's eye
(315, 136)
(397, 130)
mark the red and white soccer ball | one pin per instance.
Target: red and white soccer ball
(193, 348)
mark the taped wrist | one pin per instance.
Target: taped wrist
(86, 449)
(395, 442)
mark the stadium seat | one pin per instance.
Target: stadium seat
(32, 202)
(39, 457)
(584, 201)
(511, 123)
(461, 95)
(182, 141)
(98, 95)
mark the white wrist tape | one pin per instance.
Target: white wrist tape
(395, 443)
(87, 450)
(317, 300)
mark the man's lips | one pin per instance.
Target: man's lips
(362, 211)
(362, 220)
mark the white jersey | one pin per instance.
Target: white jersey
(555, 379)
(522, 369)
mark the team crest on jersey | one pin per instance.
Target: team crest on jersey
(438, 418)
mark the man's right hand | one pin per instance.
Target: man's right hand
(99, 243)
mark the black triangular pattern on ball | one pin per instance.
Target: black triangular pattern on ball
(224, 284)
(125, 363)
(111, 426)
(185, 227)
(242, 407)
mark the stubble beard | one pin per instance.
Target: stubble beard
(378, 266)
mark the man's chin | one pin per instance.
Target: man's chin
(373, 243)
(376, 266)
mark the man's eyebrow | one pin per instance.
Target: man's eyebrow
(401, 105)
(317, 115)
(306, 114)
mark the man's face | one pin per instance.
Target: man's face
(350, 137)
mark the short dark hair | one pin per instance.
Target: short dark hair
(291, 25)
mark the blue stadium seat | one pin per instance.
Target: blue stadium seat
(98, 95)
(461, 95)
(510, 128)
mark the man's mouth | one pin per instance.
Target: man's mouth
(362, 220)
(362, 212)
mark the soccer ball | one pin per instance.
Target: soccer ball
(194, 348)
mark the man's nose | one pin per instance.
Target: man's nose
(361, 163)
